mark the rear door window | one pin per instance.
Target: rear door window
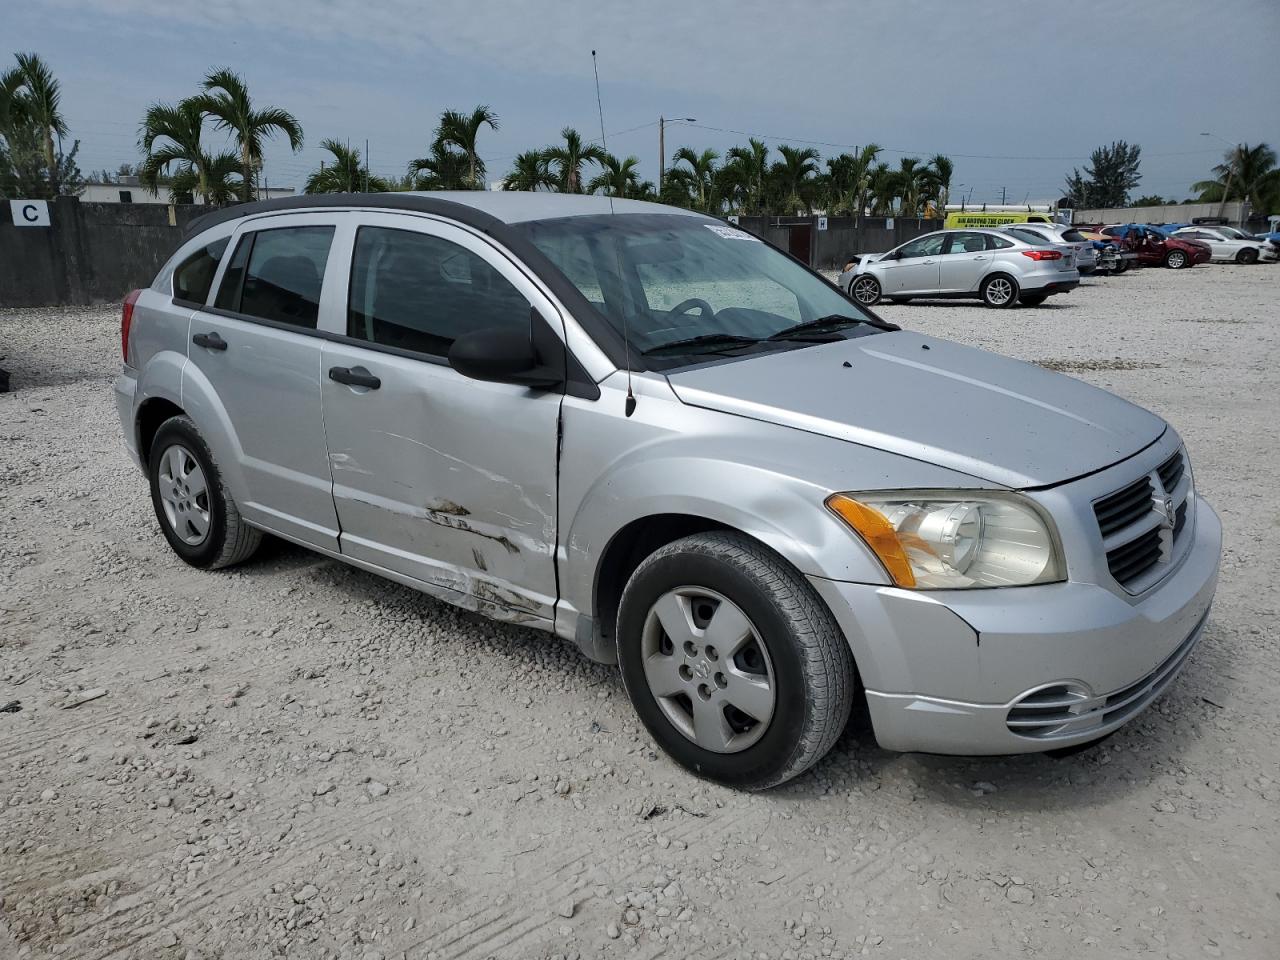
(277, 275)
(966, 242)
(418, 292)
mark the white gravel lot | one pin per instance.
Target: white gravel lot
(298, 759)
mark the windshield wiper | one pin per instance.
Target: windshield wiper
(703, 339)
(832, 321)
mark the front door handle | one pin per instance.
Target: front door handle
(982, 256)
(210, 341)
(354, 377)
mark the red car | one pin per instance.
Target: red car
(1159, 249)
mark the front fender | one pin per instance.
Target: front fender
(765, 480)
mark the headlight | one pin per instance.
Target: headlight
(940, 539)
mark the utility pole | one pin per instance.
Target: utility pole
(1002, 196)
(1231, 168)
(662, 146)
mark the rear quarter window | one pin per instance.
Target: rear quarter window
(194, 276)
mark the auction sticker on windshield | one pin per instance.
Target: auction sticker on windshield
(730, 233)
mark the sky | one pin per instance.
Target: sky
(1017, 93)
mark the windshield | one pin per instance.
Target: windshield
(688, 287)
(1028, 236)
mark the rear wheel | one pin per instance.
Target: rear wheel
(865, 289)
(1247, 255)
(732, 661)
(1175, 260)
(1033, 299)
(196, 513)
(999, 290)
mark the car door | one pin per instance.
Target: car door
(1220, 247)
(256, 350)
(963, 262)
(913, 268)
(446, 481)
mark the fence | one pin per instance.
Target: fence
(829, 249)
(90, 252)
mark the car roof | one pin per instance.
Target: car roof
(480, 208)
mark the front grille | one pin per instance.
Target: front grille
(1141, 523)
(1171, 472)
(1066, 710)
(1131, 560)
(1124, 507)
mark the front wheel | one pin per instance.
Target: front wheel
(866, 290)
(732, 661)
(1175, 260)
(1247, 255)
(196, 512)
(999, 290)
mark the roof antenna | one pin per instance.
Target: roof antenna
(626, 339)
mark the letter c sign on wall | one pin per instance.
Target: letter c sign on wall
(29, 213)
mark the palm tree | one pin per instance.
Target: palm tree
(30, 95)
(570, 159)
(170, 138)
(794, 173)
(1252, 174)
(228, 102)
(441, 169)
(883, 190)
(700, 176)
(219, 172)
(346, 174)
(462, 131)
(530, 171)
(751, 165)
(912, 181)
(618, 178)
(941, 169)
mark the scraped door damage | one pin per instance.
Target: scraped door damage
(448, 481)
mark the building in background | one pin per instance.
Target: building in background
(127, 189)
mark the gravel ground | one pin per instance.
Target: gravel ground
(299, 759)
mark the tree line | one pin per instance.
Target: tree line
(751, 178)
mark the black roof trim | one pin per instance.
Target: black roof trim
(601, 331)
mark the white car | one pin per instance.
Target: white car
(1228, 243)
(1086, 255)
(990, 265)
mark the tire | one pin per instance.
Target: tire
(865, 289)
(1176, 260)
(1121, 267)
(202, 526)
(1033, 299)
(1247, 256)
(999, 291)
(789, 652)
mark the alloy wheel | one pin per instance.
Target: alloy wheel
(708, 669)
(999, 291)
(184, 495)
(866, 290)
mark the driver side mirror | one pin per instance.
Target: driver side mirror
(503, 355)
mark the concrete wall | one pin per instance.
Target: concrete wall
(843, 237)
(1173, 213)
(91, 253)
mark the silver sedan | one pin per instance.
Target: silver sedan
(990, 265)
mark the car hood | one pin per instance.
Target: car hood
(1001, 420)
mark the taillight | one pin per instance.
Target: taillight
(1042, 254)
(126, 322)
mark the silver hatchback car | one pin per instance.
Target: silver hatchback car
(991, 265)
(655, 435)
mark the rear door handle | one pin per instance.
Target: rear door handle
(210, 341)
(354, 377)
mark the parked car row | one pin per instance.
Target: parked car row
(1029, 262)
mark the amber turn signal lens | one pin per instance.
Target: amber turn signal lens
(875, 528)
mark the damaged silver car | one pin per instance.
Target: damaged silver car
(655, 435)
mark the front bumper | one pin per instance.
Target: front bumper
(962, 672)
